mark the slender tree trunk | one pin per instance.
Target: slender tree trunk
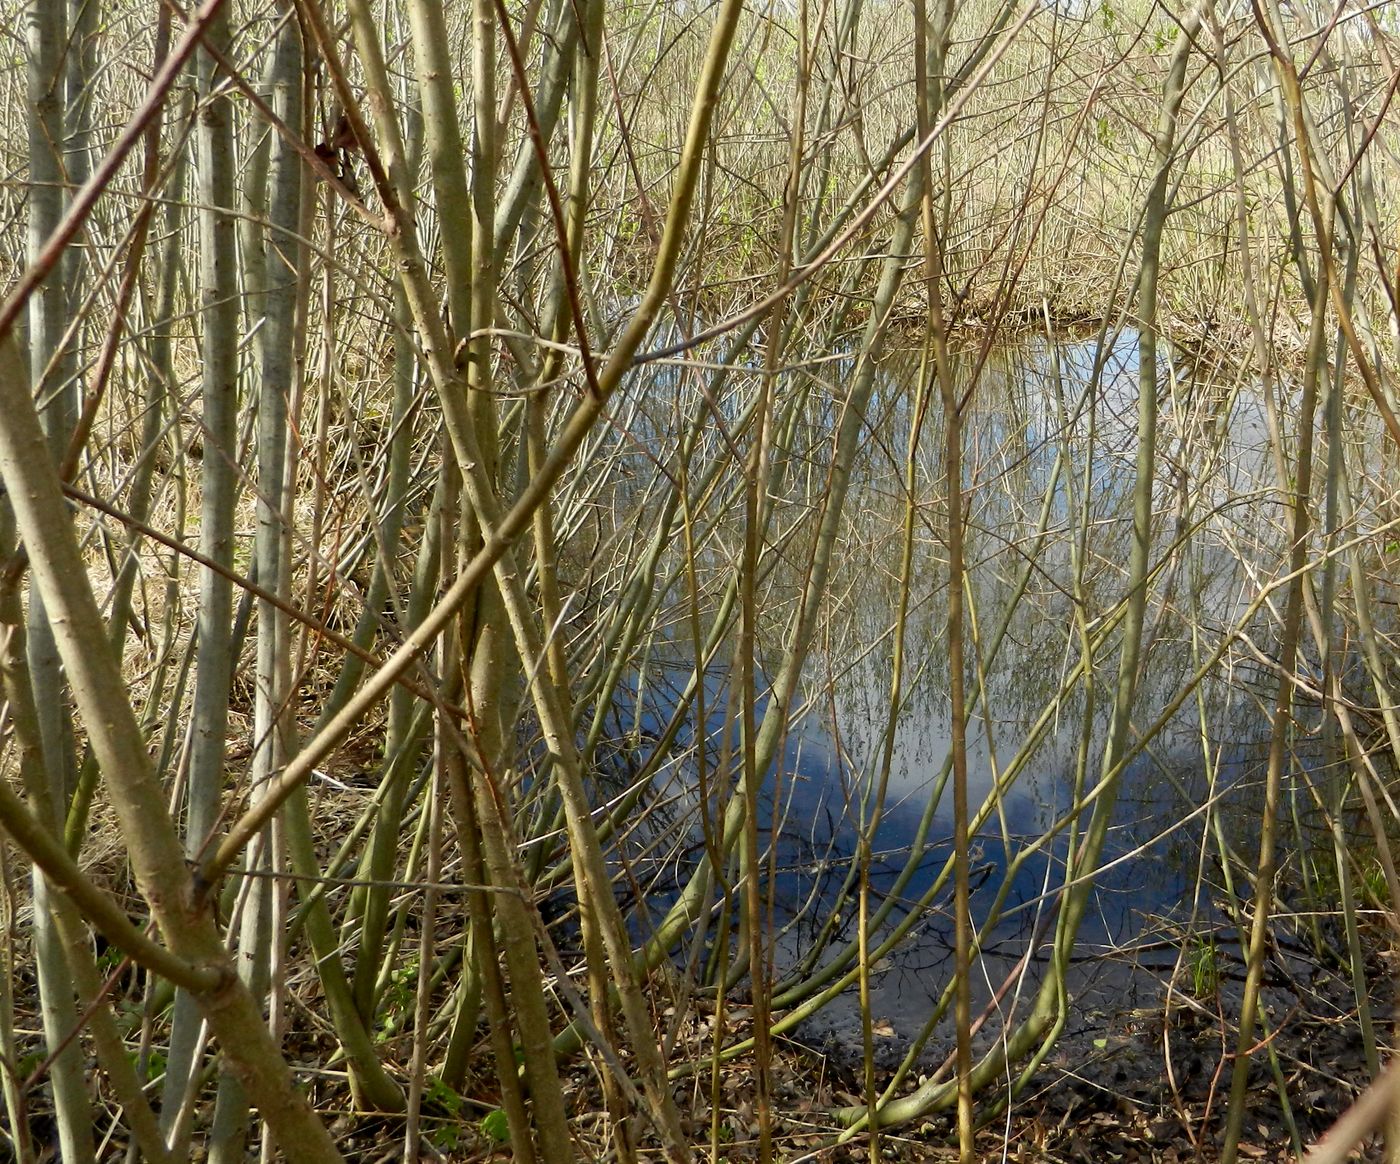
(219, 287)
(53, 770)
(284, 287)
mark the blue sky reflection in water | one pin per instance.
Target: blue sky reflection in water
(1047, 440)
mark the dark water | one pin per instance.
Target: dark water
(1054, 432)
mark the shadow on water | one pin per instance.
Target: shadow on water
(1051, 451)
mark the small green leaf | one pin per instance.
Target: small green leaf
(442, 1096)
(495, 1126)
(446, 1137)
(1100, 1043)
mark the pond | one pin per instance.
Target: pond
(1050, 443)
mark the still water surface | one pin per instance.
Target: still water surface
(1051, 441)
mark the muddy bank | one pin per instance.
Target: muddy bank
(1142, 1072)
